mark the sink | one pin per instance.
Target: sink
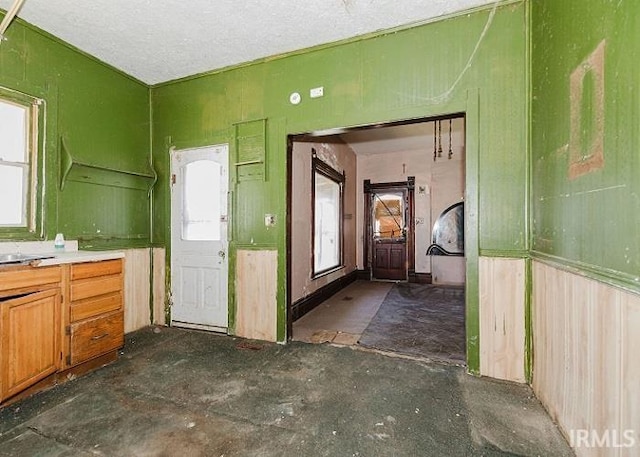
(23, 258)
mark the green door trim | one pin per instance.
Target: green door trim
(466, 103)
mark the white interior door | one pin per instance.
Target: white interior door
(199, 262)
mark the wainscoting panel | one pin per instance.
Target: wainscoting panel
(137, 313)
(502, 306)
(585, 370)
(159, 286)
(256, 288)
(630, 377)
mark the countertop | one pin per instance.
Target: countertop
(69, 255)
(77, 257)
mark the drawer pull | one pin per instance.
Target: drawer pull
(99, 337)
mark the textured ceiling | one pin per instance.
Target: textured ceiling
(161, 40)
(411, 137)
(397, 138)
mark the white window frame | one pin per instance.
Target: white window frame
(29, 223)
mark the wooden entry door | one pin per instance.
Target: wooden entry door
(390, 259)
(390, 239)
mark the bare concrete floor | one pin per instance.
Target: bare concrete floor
(188, 393)
(420, 320)
(343, 317)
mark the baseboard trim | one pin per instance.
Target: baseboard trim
(306, 304)
(365, 275)
(421, 278)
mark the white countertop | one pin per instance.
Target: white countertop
(70, 254)
(78, 257)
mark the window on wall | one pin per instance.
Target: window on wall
(201, 212)
(18, 146)
(327, 217)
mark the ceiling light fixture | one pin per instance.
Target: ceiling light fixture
(11, 13)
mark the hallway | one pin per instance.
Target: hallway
(344, 316)
(421, 320)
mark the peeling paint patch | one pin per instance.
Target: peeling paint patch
(562, 149)
(327, 153)
(586, 139)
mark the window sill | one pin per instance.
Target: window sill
(19, 234)
(327, 272)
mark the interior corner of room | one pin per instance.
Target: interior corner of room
(490, 152)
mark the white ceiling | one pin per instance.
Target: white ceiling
(408, 137)
(411, 137)
(157, 41)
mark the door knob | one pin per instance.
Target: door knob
(222, 254)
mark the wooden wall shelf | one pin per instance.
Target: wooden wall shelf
(72, 169)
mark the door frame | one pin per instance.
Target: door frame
(407, 186)
(169, 256)
(464, 104)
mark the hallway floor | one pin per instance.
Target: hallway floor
(343, 317)
(189, 393)
(421, 320)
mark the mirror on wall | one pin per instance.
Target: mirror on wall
(448, 232)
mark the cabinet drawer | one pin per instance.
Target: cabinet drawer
(90, 307)
(95, 337)
(93, 287)
(94, 269)
(26, 278)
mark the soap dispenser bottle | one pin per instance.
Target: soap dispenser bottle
(58, 243)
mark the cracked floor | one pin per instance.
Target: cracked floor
(180, 392)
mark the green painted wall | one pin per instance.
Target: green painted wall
(104, 117)
(588, 221)
(391, 76)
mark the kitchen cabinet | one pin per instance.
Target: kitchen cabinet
(30, 310)
(58, 320)
(16, 280)
(96, 317)
(29, 347)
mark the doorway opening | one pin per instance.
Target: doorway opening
(387, 292)
(388, 234)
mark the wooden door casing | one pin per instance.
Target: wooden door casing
(407, 247)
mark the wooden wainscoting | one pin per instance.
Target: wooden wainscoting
(502, 310)
(256, 290)
(137, 313)
(585, 343)
(159, 286)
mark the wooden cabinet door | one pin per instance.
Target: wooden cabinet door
(29, 340)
